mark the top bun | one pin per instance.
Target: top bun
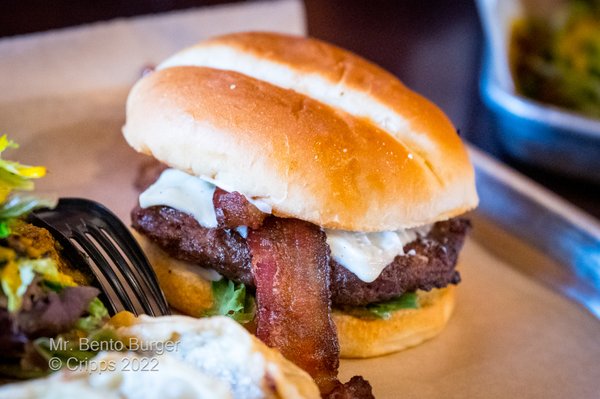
(312, 130)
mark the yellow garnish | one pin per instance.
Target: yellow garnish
(6, 143)
(26, 171)
(10, 277)
(123, 319)
(17, 273)
(14, 175)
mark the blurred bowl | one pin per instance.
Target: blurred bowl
(535, 133)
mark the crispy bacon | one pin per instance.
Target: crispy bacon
(234, 210)
(356, 388)
(290, 262)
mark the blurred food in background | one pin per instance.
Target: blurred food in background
(556, 60)
(541, 82)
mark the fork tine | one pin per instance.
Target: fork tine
(115, 305)
(118, 233)
(92, 231)
(145, 270)
(104, 268)
(78, 257)
(123, 266)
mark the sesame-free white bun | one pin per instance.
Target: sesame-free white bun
(316, 132)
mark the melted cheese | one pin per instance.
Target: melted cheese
(367, 254)
(184, 192)
(364, 254)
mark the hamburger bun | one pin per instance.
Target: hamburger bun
(311, 130)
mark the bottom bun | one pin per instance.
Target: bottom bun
(185, 285)
(361, 338)
(188, 291)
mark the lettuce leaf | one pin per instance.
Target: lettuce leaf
(19, 205)
(384, 310)
(16, 176)
(232, 300)
(97, 316)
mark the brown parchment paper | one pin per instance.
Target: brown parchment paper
(510, 335)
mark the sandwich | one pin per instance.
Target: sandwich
(303, 190)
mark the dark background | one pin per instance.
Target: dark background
(433, 46)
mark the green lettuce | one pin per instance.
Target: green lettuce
(97, 316)
(20, 205)
(16, 176)
(384, 310)
(232, 300)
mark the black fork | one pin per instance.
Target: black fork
(94, 237)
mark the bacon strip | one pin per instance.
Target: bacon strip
(290, 262)
(234, 210)
(356, 388)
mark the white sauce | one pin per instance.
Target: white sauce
(112, 375)
(242, 230)
(184, 192)
(207, 274)
(364, 254)
(261, 205)
(367, 254)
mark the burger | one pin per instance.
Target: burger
(304, 190)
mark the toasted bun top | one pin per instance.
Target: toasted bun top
(314, 131)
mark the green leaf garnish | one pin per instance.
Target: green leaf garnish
(18, 206)
(16, 176)
(4, 229)
(384, 310)
(232, 300)
(97, 316)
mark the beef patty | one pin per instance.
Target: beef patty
(429, 261)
